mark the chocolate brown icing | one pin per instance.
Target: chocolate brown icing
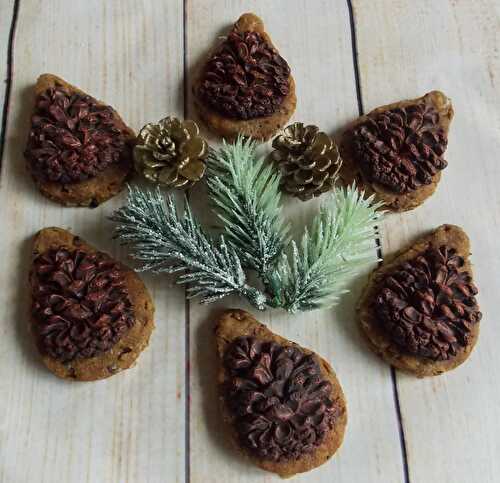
(245, 78)
(281, 402)
(81, 305)
(72, 137)
(428, 305)
(402, 148)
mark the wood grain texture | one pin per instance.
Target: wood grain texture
(315, 39)
(133, 427)
(451, 422)
(129, 428)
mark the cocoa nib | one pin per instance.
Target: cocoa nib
(428, 305)
(401, 149)
(81, 305)
(281, 403)
(246, 77)
(72, 137)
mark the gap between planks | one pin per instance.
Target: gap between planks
(8, 80)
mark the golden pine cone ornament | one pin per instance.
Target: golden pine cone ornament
(171, 153)
(309, 160)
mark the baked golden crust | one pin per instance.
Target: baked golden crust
(125, 352)
(259, 128)
(237, 323)
(350, 171)
(94, 191)
(449, 235)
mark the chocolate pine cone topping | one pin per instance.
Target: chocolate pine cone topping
(72, 137)
(428, 305)
(401, 149)
(81, 305)
(309, 161)
(280, 401)
(245, 78)
(171, 153)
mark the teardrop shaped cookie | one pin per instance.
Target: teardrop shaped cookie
(419, 310)
(79, 150)
(283, 403)
(91, 316)
(396, 151)
(245, 86)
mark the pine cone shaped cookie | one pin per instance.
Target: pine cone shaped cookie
(419, 311)
(79, 150)
(171, 153)
(283, 403)
(91, 316)
(309, 160)
(245, 86)
(397, 151)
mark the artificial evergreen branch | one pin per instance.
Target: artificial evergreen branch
(245, 193)
(164, 242)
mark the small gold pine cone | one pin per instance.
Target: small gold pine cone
(309, 160)
(171, 153)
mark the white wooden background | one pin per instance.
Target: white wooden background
(159, 422)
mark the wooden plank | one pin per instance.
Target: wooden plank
(315, 38)
(130, 427)
(451, 422)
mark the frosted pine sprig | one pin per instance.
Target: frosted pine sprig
(163, 241)
(245, 194)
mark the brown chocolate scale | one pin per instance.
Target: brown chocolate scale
(428, 305)
(245, 78)
(81, 305)
(281, 402)
(402, 148)
(72, 137)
